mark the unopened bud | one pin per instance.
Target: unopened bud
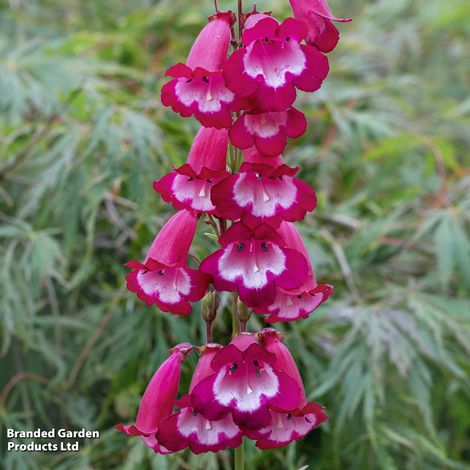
(244, 313)
(210, 305)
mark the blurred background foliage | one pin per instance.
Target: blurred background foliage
(82, 137)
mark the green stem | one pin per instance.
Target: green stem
(240, 457)
(239, 451)
(235, 320)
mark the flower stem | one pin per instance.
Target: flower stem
(240, 457)
(235, 320)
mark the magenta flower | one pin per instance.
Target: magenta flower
(273, 64)
(256, 263)
(163, 278)
(189, 187)
(198, 86)
(158, 400)
(265, 191)
(189, 428)
(318, 17)
(295, 424)
(246, 384)
(268, 131)
(300, 302)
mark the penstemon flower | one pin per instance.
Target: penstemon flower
(318, 17)
(274, 63)
(250, 388)
(163, 278)
(265, 191)
(268, 131)
(293, 304)
(158, 400)
(189, 428)
(198, 87)
(245, 383)
(255, 263)
(190, 185)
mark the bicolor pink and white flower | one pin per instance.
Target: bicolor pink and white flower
(163, 278)
(256, 263)
(245, 383)
(318, 17)
(285, 427)
(189, 186)
(189, 428)
(265, 191)
(274, 63)
(268, 131)
(300, 302)
(198, 87)
(158, 400)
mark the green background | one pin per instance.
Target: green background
(82, 137)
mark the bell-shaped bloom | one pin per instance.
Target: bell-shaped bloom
(293, 304)
(163, 278)
(268, 131)
(245, 383)
(265, 191)
(198, 86)
(285, 427)
(189, 428)
(318, 17)
(189, 186)
(256, 263)
(158, 400)
(273, 64)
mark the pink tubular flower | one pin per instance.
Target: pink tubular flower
(256, 263)
(274, 63)
(293, 425)
(190, 185)
(318, 17)
(198, 86)
(292, 304)
(267, 131)
(163, 278)
(188, 428)
(246, 383)
(265, 191)
(158, 400)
